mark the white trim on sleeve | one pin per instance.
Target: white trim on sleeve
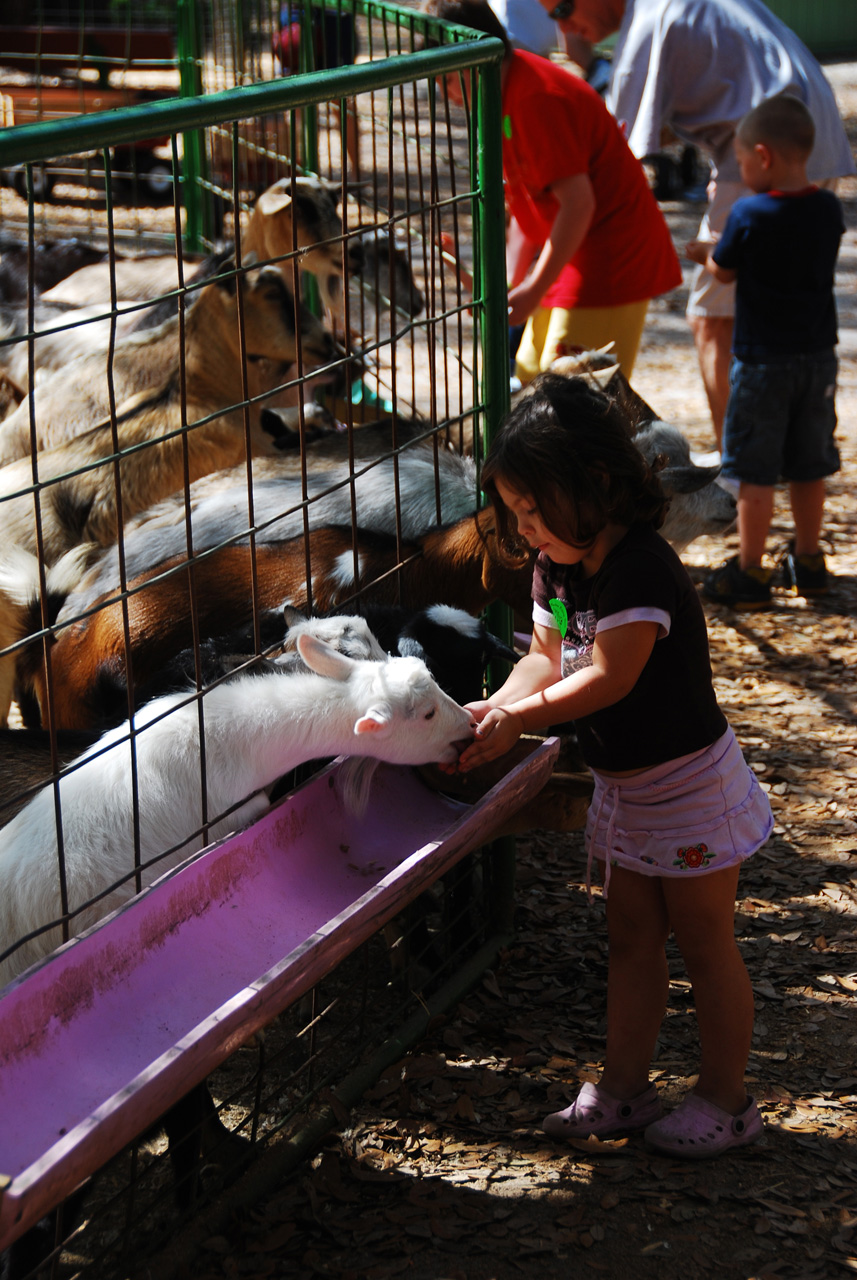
(643, 613)
(544, 618)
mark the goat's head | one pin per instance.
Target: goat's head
(386, 269)
(347, 633)
(276, 326)
(300, 214)
(698, 504)
(405, 717)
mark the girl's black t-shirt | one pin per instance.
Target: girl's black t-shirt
(672, 709)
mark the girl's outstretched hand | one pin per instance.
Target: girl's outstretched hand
(495, 734)
(478, 710)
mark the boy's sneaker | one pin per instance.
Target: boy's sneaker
(804, 575)
(738, 588)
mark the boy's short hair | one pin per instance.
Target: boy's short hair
(783, 123)
(477, 14)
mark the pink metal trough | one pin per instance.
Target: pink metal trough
(102, 1037)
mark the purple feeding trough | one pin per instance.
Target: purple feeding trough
(102, 1037)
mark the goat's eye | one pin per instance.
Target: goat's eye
(430, 714)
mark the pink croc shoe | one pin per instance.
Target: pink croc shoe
(698, 1130)
(594, 1111)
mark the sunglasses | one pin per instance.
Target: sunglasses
(561, 11)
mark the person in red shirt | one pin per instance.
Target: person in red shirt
(587, 246)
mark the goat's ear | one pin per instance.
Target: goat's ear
(273, 201)
(689, 479)
(408, 647)
(292, 616)
(227, 283)
(323, 659)
(497, 648)
(376, 720)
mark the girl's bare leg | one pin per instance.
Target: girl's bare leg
(637, 979)
(702, 913)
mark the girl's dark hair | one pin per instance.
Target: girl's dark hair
(569, 447)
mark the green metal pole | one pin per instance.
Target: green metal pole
(490, 251)
(490, 275)
(193, 141)
(490, 284)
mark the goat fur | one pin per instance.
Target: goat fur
(217, 507)
(457, 565)
(11, 395)
(84, 507)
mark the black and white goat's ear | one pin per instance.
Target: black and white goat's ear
(497, 648)
(324, 659)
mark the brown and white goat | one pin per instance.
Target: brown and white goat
(429, 489)
(456, 565)
(285, 220)
(78, 397)
(80, 497)
(11, 396)
(300, 214)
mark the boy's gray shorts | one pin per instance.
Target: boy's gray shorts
(781, 419)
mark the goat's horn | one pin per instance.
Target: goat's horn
(601, 376)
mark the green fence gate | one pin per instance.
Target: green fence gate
(418, 348)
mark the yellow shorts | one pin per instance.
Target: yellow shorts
(552, 332)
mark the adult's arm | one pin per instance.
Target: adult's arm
(576, 198)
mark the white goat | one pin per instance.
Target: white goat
(256, 728)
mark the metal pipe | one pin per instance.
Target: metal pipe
(73, 134)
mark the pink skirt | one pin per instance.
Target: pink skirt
(690, 816)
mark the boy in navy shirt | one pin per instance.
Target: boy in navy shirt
(780, 246)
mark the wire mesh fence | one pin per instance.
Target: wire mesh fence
(268, 384)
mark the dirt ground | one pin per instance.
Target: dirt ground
(442, 1172)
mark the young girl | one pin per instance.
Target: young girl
(620, 647)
